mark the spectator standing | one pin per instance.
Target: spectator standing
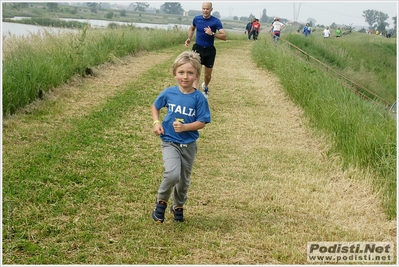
(248, 29)
(338, 32)
(277, 27)
(255, 29)
(326, 32)
(307, 30)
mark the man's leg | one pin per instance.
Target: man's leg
(197, 49)
(197, 81)
(208, 75)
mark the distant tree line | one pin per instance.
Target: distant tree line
(376, 20)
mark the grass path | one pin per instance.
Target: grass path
(262, 185)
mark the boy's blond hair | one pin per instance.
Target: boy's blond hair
(191, 57)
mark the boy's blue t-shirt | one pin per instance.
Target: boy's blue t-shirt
(201, 23)
(186, 108)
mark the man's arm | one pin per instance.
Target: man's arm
(191, 31)
(221, 35)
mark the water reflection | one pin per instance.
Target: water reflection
(18, 29)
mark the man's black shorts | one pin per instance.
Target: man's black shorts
(207, 54)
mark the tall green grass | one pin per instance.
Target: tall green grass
(367, 59)
(362, 133)
(34, 64)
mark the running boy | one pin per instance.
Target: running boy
(188, 111)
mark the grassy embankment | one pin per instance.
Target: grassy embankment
(33, 65)
(363, 133)
(369, 60)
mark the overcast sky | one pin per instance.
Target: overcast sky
(324, 12)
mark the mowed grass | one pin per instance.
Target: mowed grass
(81, 171)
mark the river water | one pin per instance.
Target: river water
(18, 29)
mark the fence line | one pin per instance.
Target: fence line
(357, 88)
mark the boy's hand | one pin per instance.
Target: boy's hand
(178, 126)
(158, 129)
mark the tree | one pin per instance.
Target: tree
(216, 14)
(362, 30)
(52, 6)
(106, 5)
(370, 17)
(264, 17)
(311, 21)
(74, 10)
(348, 27)
(93, 6)
(141, 6)
(172, 8)
(18, 5)
(382, 21)
(109, 15)
(376, 19)
(235, 18)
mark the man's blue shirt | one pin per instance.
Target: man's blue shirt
(201, 23)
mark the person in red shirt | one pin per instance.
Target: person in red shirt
(255, 29)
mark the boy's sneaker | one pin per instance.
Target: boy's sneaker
(206, 90)
(177, 214)
(159, 212)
